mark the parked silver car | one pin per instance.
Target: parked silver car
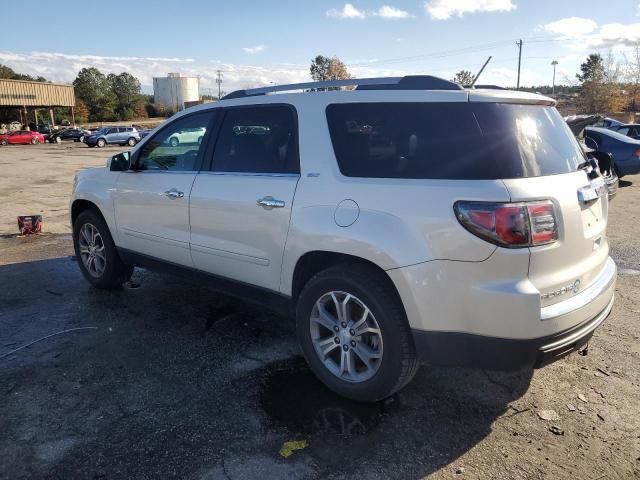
(113, 135)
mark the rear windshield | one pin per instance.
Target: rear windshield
(466, 141)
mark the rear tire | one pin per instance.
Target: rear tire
(390, 353)
(3, 142)
(96, 253)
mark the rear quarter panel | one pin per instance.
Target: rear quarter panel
(399, 222)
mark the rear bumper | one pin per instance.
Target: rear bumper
(468, 350)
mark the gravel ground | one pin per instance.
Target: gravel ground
(168, 379)
(37, 180)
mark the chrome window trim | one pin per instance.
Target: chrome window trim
(251, 174)
(174, 172)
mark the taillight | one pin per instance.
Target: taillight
(637, 152)
(511, 225)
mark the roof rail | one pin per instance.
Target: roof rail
(409, 82)
(487, 87)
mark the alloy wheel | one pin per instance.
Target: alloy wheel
(346, 336)
(92, 251)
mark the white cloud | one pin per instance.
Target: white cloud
(445, 9)
(571, 27)
(348, 11)
(254, 50)
(582, 34)
(616, 34)
(392, 13)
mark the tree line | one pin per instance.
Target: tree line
(603, 86)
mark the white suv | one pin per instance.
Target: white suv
(409, 220)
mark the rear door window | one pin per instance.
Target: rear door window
(258, 140)
(462, 140)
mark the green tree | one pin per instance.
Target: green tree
(591, 68)
(600, 90)
(126, 89)
(463, 77)
(319, 68)
(325, 68)
(93, 88)
(9, 74)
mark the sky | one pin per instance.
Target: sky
(259, 42)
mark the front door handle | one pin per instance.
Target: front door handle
(270, 202)
(173, 194)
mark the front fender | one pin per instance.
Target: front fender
(96, 186)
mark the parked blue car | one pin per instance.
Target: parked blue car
(625, 150)
(120, 135)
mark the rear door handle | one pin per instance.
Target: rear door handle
(173, 194)
(270, 202)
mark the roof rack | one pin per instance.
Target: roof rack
(409, 82)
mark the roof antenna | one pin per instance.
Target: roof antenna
(475, 79)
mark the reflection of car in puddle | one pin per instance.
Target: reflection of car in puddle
(294, 399)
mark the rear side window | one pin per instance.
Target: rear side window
(466, 141)
(258, 140)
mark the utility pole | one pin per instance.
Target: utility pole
(219, 82)
(519, 44)
(553, 85)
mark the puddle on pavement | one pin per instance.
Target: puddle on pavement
(294, 399)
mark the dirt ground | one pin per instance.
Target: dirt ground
(167, 379)
(37, 180)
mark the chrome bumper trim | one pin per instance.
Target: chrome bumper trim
(581, 332)
(604, 281)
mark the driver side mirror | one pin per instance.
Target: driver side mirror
(120, 162)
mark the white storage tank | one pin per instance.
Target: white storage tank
(174, 90)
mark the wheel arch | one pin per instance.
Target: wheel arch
(315, 261)
(80, 205)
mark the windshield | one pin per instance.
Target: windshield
(461, 140)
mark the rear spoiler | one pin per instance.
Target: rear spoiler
(509, 96)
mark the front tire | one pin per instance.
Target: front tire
(35, 141)
(96, 253)
(101, 143)
(131, 142)
(354, 333)
(174, 142)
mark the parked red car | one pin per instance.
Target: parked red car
(21, 137)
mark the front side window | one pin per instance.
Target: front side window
(457, 140)
(170, 150)
(258, 140)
